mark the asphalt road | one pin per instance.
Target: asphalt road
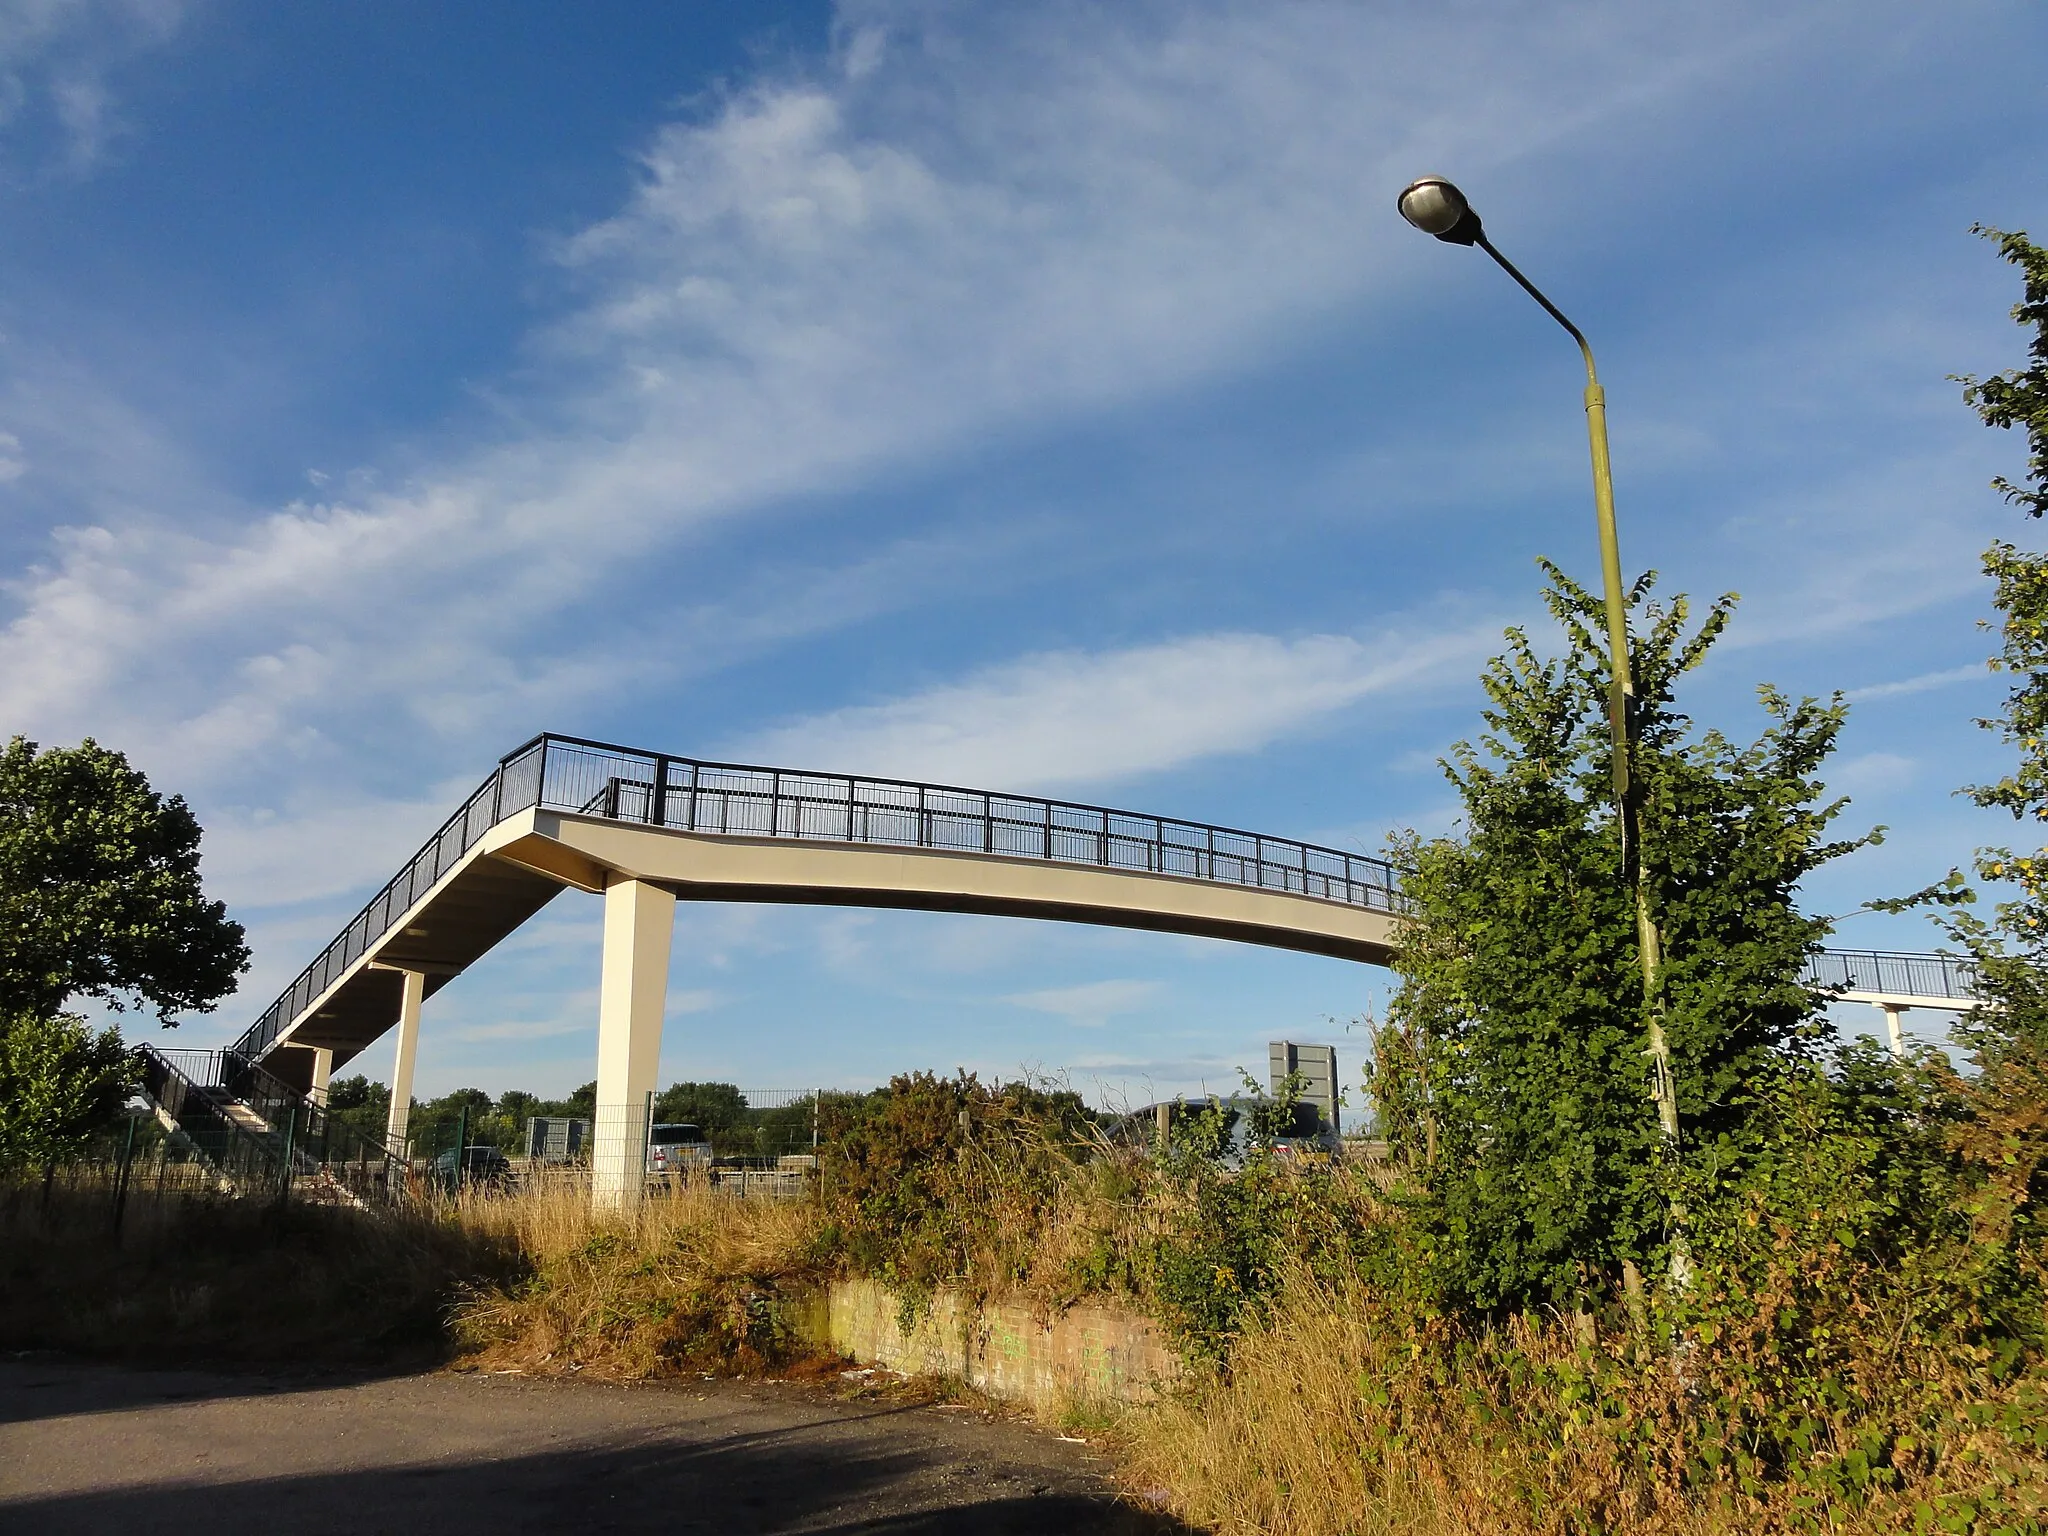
(104, 1450)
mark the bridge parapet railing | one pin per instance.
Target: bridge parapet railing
(729, 799)
(1893, 973)
(621, 783)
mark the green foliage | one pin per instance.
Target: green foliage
(360, 1104)
(356, 1092)
(718, 1109)
(785, 1129)
(2019, 396)
(944, 1181)
(2011, 947)
(59, 1085)
(1512, 1073)
(99, 889)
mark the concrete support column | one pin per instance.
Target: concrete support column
(401, 1070)
(639, 923)
(323, 1069)
(1892, 1030)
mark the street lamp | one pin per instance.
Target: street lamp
(1438, 208)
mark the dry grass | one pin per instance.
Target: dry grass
(531, 1280)
(1336, 1418)
(197, 1277)
(696, 1280)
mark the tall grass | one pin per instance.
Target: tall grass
(1340, 1411)
(197, 1276)
(529, 1279)
(694, 1280)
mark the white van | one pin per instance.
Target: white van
(673, 1148)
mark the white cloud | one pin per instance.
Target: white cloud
(1091, 1005)
(968, 225)
(56, 58)
(1921, 684)
(520, 1029)
(1079, 718)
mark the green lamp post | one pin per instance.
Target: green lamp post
(1436, 207)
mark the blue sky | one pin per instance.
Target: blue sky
(1042, 397)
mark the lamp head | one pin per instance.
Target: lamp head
(1437, 208)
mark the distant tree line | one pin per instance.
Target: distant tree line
(734, 1127)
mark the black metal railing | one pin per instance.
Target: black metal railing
(300, 1134)
(1892, 972)
(737, 800)
(247, 1162)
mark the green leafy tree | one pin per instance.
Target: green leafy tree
(99, 889)
(581, 1104)
(361, 1104)
(2004, 1138)
(59, 1084)
(1512, 1072)
(2011, 948)
(718, 1109)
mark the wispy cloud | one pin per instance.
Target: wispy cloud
(1925, 682)
(1080, 718)
(57, 62)
(963, 225)
(1092, 1004)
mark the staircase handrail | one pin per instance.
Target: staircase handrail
(318, 1138)
(235, 1153)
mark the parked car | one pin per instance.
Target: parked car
(673, 1148)
(479, 1165)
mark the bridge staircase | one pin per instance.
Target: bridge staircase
(262, 1137)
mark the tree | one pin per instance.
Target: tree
(360, 1103)
(59, 1083)
(2011, 949)
(2004, 1137)
(581, 1104)
(99, 889)
(356, 1092)
(716, 1108)
(1512, 1073)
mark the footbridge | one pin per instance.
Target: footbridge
(646, 829)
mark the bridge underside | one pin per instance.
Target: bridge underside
(526, 860)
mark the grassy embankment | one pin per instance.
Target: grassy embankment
(1820, 1386)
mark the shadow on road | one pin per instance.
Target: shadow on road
(93, 1449)
(33, 1389)
(757, 1483)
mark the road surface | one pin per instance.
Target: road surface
(98, 1449)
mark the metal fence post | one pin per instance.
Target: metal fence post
(121, 1178)
(284, 1179)
(646, 1137)
(657, 801)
